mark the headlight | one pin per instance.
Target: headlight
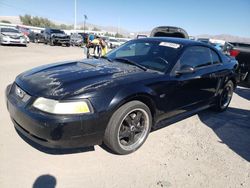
(62, 107)
(6, 37)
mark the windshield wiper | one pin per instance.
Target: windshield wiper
(124, 60)
(105, 57)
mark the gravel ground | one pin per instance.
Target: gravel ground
(206, 150)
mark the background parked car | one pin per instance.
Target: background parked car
(10, 35)
(76, 39)
(37, 37)
(26, 31)
(122, 40)
(141, 36)
(113, 43)
(56, 37)
(241, 52)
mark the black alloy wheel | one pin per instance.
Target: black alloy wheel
(225, 97)
(133, 129)
(128, 127)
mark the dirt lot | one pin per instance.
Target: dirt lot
(205, 150)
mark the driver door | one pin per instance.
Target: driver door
(194, 89)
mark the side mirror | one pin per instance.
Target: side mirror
(185, 69)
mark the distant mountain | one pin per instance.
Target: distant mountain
(112, 29)
(12, 19)
(225, 37)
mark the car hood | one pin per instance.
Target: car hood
(62, 80)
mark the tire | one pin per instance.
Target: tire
(225, 97)
(128, 128)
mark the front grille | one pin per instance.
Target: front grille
(15, 37)
(39, 138)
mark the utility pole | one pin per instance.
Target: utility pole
(119, 24)
(75, 16)
(85, 18)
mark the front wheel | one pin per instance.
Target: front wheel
(225, 97)
(128, 128)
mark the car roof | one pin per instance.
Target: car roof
(181, 41)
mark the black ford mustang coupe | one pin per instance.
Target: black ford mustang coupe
(120, 97)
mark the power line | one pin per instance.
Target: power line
(26, 11)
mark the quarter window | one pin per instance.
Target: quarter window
(215, 57)
(197, 56)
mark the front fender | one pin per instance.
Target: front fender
(129, 93)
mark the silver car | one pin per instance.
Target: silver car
(10, 35)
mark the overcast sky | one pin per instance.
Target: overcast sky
(197, 17)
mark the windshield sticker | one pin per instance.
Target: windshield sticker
(170, 45)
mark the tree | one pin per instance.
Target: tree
(82, 28)
(96, 29)
(42, 22)
(26, 19)
(109, 34)
(117, 35)
(5, 21)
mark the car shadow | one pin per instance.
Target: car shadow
(12, 45)
(53, 151)
(232, 127)
(243, 92)
(106, 148)
(45, 181)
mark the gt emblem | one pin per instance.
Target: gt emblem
(19, 92)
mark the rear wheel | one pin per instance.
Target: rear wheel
(128, 128)
(225, 97)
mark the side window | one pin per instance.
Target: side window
(215, 57)
(196, 56)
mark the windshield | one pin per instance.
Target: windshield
(10, 30)
(154, 55)
(56, 31)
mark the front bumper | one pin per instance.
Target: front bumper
(14, 41)
(61, 41)
(54, 131)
